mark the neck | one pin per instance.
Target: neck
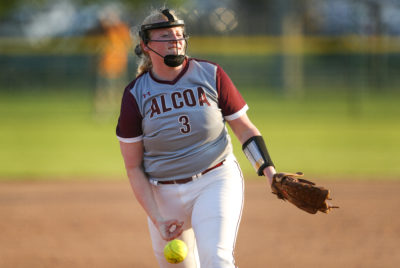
(163, 72)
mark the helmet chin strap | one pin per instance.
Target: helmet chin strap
(171, 60)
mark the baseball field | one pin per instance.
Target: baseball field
(65, 201)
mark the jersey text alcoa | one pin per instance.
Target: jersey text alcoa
(178, 100)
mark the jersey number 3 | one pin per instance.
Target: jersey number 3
(184, 120)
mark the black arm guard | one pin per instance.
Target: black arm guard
(257, 153)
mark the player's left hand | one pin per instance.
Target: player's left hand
(302, 193)
(170, 229)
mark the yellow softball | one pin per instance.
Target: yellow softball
(175, 251)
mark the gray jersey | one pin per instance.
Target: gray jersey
(182, 122)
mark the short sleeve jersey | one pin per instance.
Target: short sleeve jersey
(181, 122)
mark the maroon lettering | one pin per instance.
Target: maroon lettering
(178, 100)
(184, 120)
(164, 105)
(202, 97)
(189, 98)
(155, 109)
(174, 97)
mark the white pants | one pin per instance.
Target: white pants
(211, 208)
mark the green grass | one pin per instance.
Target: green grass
(332, 137)
(54, 135)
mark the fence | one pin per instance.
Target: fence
(263, 62)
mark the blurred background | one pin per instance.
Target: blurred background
(321, 78)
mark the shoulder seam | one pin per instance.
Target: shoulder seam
(207, 61)
(133, 82)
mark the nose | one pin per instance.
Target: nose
(176, 36)
(176, 40)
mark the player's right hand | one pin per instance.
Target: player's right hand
(170, 229)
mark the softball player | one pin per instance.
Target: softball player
(176, 148)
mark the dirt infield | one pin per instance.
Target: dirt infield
(100, 224)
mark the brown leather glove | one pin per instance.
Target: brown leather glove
(301, 193)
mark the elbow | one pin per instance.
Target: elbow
(132, 171)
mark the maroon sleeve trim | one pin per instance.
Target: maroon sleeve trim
(130, 119)
(229, 98)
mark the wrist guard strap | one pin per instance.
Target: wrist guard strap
(257, 153)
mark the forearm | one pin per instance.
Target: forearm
(142, 190)
(246, 133)
(244, 129)
(133, 158)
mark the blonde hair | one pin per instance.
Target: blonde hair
(144, 62)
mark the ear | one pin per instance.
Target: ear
(144, 46)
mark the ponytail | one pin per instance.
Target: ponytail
(144, 61)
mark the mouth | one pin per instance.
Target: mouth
(175, 47)
(175, 50)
